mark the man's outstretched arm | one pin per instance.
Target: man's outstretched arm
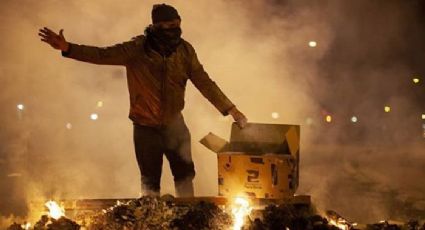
(212, 92)
(114, 55)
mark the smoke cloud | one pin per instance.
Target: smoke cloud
(258, 52)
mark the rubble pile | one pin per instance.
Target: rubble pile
(203, 216)
(144, 213)
(155, 213)
(291, 217)
(276, 217)
(385, 225)
(47, 223)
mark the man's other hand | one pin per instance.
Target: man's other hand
(239, 117)
(57, 41)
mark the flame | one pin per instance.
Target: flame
(26, 226)
(338, 224)
(55, 211)
(337, 220)
(240, 209)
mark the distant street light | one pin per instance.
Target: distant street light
(328, 118)
(312, 44)
(94, 116)
(416, 80)
(20, 106)
(387, 109)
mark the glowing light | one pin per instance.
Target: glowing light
(339, 225)
(328, 118)
(312, 44)
(68, 125)
(55, 211)
(354, 119)
(416, 80)
(387, 109)
(99, 104)
(94, 116)
(423, 116)
(26, 226)
(240, 209)
(275, 115)
(20, 106)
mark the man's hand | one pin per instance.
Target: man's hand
(239, 117)
(57, 41)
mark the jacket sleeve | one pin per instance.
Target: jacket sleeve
(206, 86)
(118, 54)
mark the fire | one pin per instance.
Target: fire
(337, 220)
(339, 225)
(240, 209)
(55, 211)
(26, 226)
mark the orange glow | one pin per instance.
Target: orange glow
(240, 209)
(312, 44)
(328, 118)
(387, 109)
(55, 211)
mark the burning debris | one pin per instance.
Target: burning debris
(48, 223)
(240, 210)
(337, 220)
(159, 213)
(144, 213)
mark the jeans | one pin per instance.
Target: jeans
(173, 140)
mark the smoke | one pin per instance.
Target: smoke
(258, 52)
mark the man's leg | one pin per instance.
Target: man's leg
(148, 144)
(179, 155)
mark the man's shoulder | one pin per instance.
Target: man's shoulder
(188, 48)
(138, 40)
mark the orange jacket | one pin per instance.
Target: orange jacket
(156, 84)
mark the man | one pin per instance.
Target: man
(158, 65)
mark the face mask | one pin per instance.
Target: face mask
(170, 35)
(164, 41)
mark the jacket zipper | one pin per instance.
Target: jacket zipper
(163, 79)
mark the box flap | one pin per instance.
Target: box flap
(257, 138)
(265, 138)
(214, 142)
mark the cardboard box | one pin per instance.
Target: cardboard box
(260, 160)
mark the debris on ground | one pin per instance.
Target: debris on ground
(157, 213)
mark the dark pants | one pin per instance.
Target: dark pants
(172, 140)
